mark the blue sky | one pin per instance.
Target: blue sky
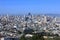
(33, 6)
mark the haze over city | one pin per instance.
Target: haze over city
(29, 19)
(17, 7)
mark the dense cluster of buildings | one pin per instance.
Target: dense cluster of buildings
(14, 26)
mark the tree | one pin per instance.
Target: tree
(23, 38)
(37, 37)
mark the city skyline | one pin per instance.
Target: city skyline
(26, 6)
